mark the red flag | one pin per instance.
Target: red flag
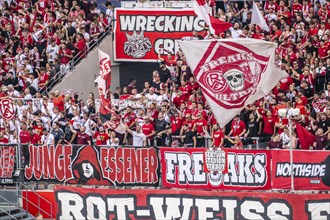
(232, 73)
(218, 25)
(203, 11)
(306, 138)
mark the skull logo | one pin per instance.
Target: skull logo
(234, 79)
(215, 179)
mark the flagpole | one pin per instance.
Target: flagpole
(291, 155)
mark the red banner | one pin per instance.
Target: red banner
(7, 164)
(141, 33)
(311, 170)
(89, 165)
(246, 170)
(81, 203)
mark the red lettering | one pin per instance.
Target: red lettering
(144, 165)
(112, 164)
(136, 166)
(104, 161)
(29, 169)
(67, 161)
(59, 163)
(48, 162)
(120, 165)
(127, 166)
(37, 155)
(153, 165)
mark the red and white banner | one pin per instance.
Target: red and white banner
(7, 164)
(90, 165)
(141, 33)
(311, 170)
(82, 203)
(232, 73)
(246, 170)
(104, 82)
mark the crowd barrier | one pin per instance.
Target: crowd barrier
(165, 167)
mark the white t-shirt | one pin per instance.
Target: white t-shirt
(47, 139)
(53, 52)
(138, 139)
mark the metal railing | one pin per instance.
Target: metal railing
(75, 60)
(9, 205)
(40, 199)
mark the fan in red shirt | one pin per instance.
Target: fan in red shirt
(58, 101)
(148, 130)
(218, 136)
(65, 54)
(268, 125)
(296, 7)
(200, 125)
(189, 122)
(130, 117)
(80, 45)
(176, 123)
(186, 90)
(238, 127)
(24, 134)
(178, 99)
(34, 138)
(101, 137)
(43, 78)
(3, 139)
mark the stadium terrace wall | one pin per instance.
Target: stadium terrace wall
(159, 204)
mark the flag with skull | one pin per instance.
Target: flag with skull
(232, 73)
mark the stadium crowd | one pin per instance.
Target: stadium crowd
(170, 110)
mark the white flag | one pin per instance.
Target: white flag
(232, 73)
(104, 81)
(258, 19)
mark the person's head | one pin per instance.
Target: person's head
(39, 216)
(44, 131)
(236, 118)
(185, 127)
(138, 128)
(160, 116)
(82, 129)
(55, 125)
(319, 132)
(216, 127)
(276, 137)
(129, 109)
(269, 114)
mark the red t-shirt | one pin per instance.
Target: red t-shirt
(190, 124)
(268, 125)
(217, 136)
(24, 137)
(176, 124)
(200, 123)
(59, 102)
(35, 139)
(82, 138)
(4, 140)
(237, 127)
(147, 129)
(129, 118)
(101, 138)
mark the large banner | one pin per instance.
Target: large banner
(90, 165)
(311, 170)
(141, 33)
(246, 169)
(82, 203)
(7, 164)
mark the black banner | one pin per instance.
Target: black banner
(89, 165)
(7, 164)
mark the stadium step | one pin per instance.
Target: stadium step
(14, 212)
